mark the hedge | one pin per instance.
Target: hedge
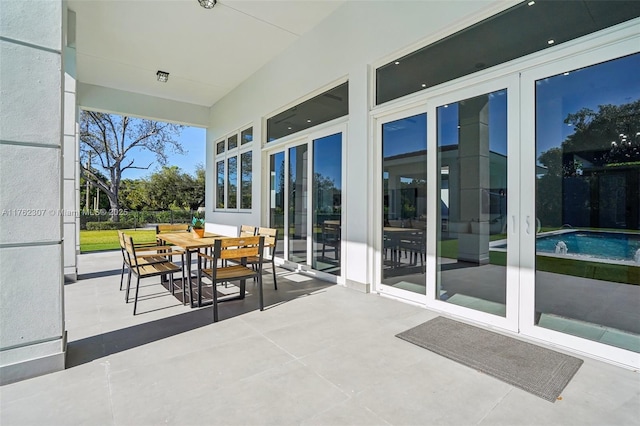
(104, 226)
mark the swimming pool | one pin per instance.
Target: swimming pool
(603, 245)
(608, 246)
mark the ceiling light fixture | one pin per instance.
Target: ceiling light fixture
(163, 76)
(551, 41)
(531, 3)
(207, 4)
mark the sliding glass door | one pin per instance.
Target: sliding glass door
(306, 201)
(447, 235)
(583, 229)
(404, 204)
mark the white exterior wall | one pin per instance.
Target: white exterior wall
(32, 332)
(346, 44)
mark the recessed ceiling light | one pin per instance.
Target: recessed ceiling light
(531, 3)
(551, 41)
(424, 85)
(566, 73)
(397, 63)
(162, 76)
(207, 4)
(308, 121)
(288, 128)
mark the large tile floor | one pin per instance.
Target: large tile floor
(319, 355)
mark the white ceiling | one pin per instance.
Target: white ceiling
(122, 43)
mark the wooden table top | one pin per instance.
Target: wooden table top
(186, 240)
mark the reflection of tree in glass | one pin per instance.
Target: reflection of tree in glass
(245, 179)
(604, 142)
(325, 189)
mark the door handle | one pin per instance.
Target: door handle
(513, 217)
(528, 222)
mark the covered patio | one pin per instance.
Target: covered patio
(319, 354)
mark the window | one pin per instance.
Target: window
(234, 171)
(541, 24)
(332, 104)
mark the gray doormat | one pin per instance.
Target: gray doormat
(538, 370)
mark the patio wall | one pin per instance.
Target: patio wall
(343, 45)
(32, 332)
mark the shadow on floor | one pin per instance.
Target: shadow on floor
(95, 347)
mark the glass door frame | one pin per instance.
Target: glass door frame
(307, 138)
(376, 241)
(601, 53)
(429, 106)
(511, 84)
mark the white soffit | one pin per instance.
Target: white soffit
(122, 43)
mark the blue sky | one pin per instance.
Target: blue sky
(193, 141)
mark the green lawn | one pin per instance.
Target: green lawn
(108, 240)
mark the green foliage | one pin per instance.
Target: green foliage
(198, 221)
(166, 189)
(103, 226)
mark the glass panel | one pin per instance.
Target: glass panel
(298, 187)
(587, 202)
(472, 160)
(484, 44)
(327, 203)
(246, 136)
(232, 189)
(232, 142)
(325, 107)
(220, 147)
(404, 195)
(245, 179)
(276, 197)
(220, 185)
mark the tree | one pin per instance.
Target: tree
(604, 142)
(111, 140)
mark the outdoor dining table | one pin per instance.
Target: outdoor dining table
(190, 244)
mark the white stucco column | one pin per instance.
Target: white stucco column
(355, 235)
(32, 332)
(70, 155)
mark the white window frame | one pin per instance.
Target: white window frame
(237, 153)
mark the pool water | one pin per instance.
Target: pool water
(603, 245)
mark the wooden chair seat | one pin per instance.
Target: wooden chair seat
(237, 249)
(149, 265)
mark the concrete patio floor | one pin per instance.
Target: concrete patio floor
(320, 354)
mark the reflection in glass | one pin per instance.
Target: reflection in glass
(276, 196)
(232, 142)
(246, 136)
(298, 167)
(472, 159)
(232, 179)
(245, 180)
(404, 195)
(327, 203)
(220, 184)
(588, 203)
(220, 147)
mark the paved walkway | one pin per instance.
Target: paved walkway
(319, 355)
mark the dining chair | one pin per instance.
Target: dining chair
(141, 247)
(247, 231)
(162, 228)
(270, 243)
(331, 237)
(139, 266)
(231, 248)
